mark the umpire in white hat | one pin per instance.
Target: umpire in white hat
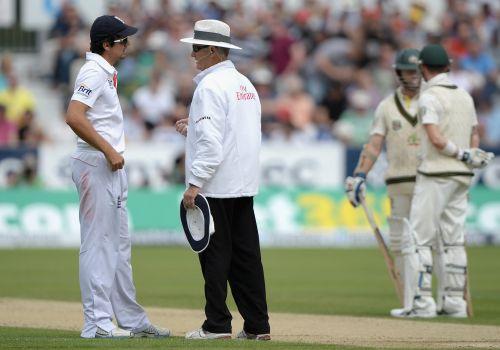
(222, 163)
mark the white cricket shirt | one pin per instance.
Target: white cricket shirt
(95, 86)
(224, 135)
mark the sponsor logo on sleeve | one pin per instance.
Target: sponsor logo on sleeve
(243, 95)
(205, 117)
(84, 90)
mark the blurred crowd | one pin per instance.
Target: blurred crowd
(319, 72)
(320, 69)
(17, 110)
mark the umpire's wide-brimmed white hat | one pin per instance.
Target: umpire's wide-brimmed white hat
(198, 224)
(211, 32)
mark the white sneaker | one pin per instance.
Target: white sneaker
(457, 314)
(413, 313)
(114, 333)
(152, 331)
(202, 334)
(250, 336)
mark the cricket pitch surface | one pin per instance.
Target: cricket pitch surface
(323, 329)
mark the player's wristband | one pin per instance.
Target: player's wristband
(450, 149)
(361, 175)
(463, 155)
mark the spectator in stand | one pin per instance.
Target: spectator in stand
(133, 124)
(470, 81)
(281, 43)
(262, 79)
(295, 104)
(165, 130)
(336, 61)
(333, 47)
(68, 20)
(489, 122)
(354, 124)
(6, 69)
(456, 45)
(8, 130)
(154, 101)
(16, 99)
(12, 179)
(335, 101)
(479, 61)
(66, 54)
(177, 175)
(30, 133)
(29, 176)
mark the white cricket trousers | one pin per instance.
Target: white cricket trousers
(106, 283)
(437, 218)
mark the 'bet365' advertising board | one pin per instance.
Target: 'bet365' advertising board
(298, 217)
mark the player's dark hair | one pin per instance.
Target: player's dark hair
(97, 46)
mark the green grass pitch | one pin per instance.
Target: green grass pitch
(318, 281)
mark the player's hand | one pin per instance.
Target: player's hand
(115, 160)
(182, 126)
(355, 189)
(475, 157)
(189, 196)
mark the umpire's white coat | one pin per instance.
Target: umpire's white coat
(224, 135)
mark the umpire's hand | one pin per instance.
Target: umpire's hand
(115, 160)
(182, 126)
(189, 196)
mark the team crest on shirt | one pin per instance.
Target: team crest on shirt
(110, 83)
(413, 140)
(84, 90)
(396, 125)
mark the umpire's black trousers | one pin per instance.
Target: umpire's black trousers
(233, 256)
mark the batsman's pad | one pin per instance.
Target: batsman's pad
(198, 224)
(455, 270)
(451, 272)
(417, 263)
(425, 271)
(439, 271)
(396, 228)
(395, 232)
(455, 267)
(410, 262)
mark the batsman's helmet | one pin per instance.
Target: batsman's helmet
(407, 59)
(434, 55)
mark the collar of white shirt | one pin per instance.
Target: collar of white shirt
(440, 79)
(90, 56)
(222, 65)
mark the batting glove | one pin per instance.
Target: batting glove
(475, 157)
(355, 188)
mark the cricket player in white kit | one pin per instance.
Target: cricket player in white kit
(449, 153)
(396, 125)
(95, 115)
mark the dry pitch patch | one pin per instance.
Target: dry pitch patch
(342, 330)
